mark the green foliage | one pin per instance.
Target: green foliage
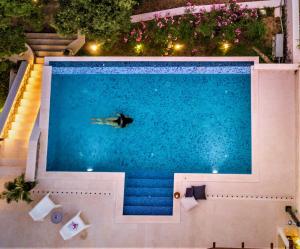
(15, 17)
(12, 41)
(255, 30)
(100, 20)
(17, 190)
(202, 33)
(5, 67)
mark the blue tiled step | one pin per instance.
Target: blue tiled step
(148, 201)
(147, 210)
(153, 192)
(158, 183)
(150, 174)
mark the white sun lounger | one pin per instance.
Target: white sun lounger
(73, 227)
(43, 208)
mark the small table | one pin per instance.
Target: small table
(56, 217)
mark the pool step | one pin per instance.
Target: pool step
(147, 210)
(148, 193)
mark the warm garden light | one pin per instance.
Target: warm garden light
(225, 46)
(94, 48)
(138, 48)
(178, 46)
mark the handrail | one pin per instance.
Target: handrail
(14, 98)
(77, 44)
(33, 151)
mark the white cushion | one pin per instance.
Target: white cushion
(188, 203)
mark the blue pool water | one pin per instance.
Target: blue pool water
(189, 117)
(199, 122)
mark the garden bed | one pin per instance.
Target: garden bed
(231, 30)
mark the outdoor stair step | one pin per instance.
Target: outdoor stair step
(29, 95)
(14, 143)
(21, 126)
(33, 87)
(48, 36)
(48, 47)
(149, 192)
(18, 134)
(64, 42)
(13, 152)
(27, 103)
(36, 74)
(32, 91)
(148, 201)
(35, 80)
(145, 182)
(38, 67)
(49, 53)
(147, 210)
(24, 117)
(12, 162)
(39, 60)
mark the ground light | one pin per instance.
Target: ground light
(225, 46)
(178, 46)
(139, 48)
(94, 48)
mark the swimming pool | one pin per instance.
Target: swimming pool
(189, 117)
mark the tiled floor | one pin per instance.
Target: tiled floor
(226, 221)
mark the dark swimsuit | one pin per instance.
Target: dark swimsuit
(122, 121)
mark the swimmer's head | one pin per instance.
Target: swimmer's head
(129, 120)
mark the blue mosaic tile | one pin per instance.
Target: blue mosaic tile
(152, 70)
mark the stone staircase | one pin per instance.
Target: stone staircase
(48, 44)
(13, 150)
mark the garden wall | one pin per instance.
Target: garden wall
(182, 10)
(292, 25)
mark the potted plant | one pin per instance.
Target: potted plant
(18, 189)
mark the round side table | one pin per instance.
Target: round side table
(56, 217)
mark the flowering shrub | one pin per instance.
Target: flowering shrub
(200, 31)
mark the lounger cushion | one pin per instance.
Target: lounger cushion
(199, 192)
(188, 203)
(189, 192)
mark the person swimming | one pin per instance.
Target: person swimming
(121, 121)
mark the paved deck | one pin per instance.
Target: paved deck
(235, 212)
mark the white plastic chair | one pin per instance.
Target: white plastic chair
(43, 208)
(73, 227)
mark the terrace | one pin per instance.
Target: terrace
(240, 210)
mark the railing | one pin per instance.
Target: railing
(14, 97)
(33, 152)
(77, 44)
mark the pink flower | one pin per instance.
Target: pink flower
(132, 32)
(143, 25)
(138, 39)
(125, 39)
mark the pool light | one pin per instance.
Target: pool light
(215, 171)
(178, 46)
(89, 169)
(139, 48)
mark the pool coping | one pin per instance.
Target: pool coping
(118, 178)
